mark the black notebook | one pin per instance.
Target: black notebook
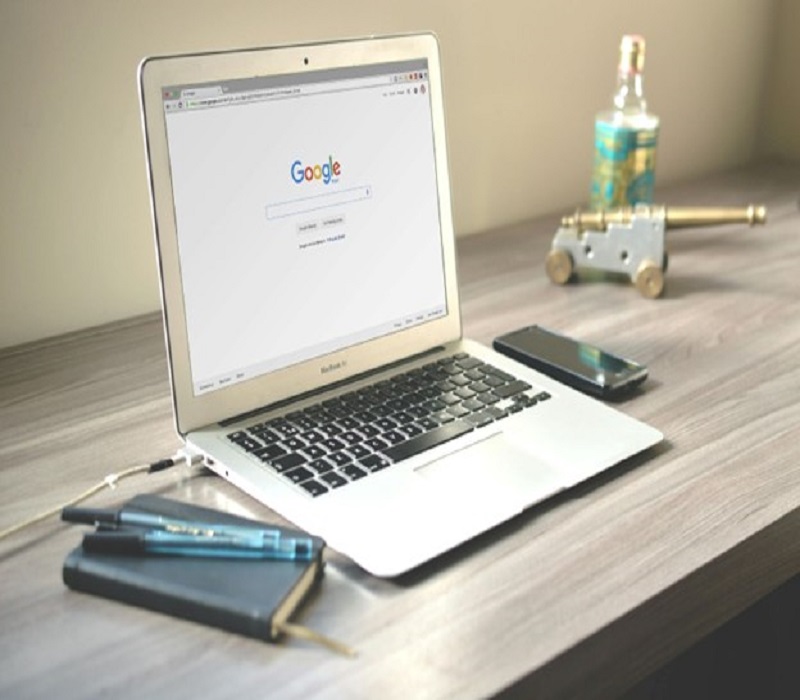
(251, 597)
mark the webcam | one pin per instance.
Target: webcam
(305, 60)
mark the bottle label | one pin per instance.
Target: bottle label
(624, 166)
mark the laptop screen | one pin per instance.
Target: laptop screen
(307, 215)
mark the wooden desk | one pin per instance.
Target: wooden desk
(582, 596)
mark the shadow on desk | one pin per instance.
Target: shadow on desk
(755, 655)
(456, 556)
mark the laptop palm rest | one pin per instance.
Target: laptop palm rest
(494, 469)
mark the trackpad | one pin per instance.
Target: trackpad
(495, 468)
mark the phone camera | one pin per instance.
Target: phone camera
(305, 60)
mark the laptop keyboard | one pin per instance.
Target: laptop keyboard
(349, 437)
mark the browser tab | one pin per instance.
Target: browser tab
(200, 92)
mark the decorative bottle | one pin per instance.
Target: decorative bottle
(625, 137)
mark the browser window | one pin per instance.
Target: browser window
(307, 215)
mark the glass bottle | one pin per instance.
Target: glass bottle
(625, 137)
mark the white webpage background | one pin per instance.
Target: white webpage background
(253, 297)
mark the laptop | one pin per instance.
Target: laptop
(302, 214)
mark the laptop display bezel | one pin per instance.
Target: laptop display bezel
(196, 411)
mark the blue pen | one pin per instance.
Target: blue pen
(98, 516)
(162, 542)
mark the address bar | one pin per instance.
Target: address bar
(284, 92)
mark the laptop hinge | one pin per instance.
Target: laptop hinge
(328, 387)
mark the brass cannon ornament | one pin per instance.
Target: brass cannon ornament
(631, 240)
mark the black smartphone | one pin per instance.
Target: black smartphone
(580, 365)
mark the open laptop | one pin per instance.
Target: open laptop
(302, 213)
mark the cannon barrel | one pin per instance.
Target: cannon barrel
(674, 217)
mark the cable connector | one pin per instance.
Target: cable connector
(161, 465)
(188, 456)
(185, 455)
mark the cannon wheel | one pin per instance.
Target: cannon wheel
(649, 280)
(559, 266)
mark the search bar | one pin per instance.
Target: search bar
(326, 200)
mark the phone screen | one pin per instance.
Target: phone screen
(566, 358)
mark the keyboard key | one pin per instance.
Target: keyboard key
(365, 417)
(322, 416)
(358, 451)
(376, 444)
(469, 362)
(427, 424)
(298, 474)
(431, 392)
(459, 411)
(479, 387)
(339, 458)
(515, 387)
(386, 424)
(393, 437)
(411, 430)
(334, 479)
(270, 452)
(354, 472)
(375, 462)
(524, 400)
(419, 411)
(369, 431)
(314, 452)
(350, 437)
(398, 404)
(294, 443)
(480, 419)
(321, 465)
(314, 487)
(304, 422)
(434, 406)
(382, 411)
(403, 417)
(473, 405)
(435, 437)
(333, 444)
(250, 444)
(286, 429)
(349, 423)
(442, 417)
(495, 412)
(288, 462)
(312, 436)
(265, 434)
(331, 429)
(459, 380)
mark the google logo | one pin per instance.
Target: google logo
(325, 172)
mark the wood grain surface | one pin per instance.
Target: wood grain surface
(581, 596)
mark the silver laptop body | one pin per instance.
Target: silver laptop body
(301, 206)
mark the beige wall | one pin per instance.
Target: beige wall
(780, 125)
(522, 82)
